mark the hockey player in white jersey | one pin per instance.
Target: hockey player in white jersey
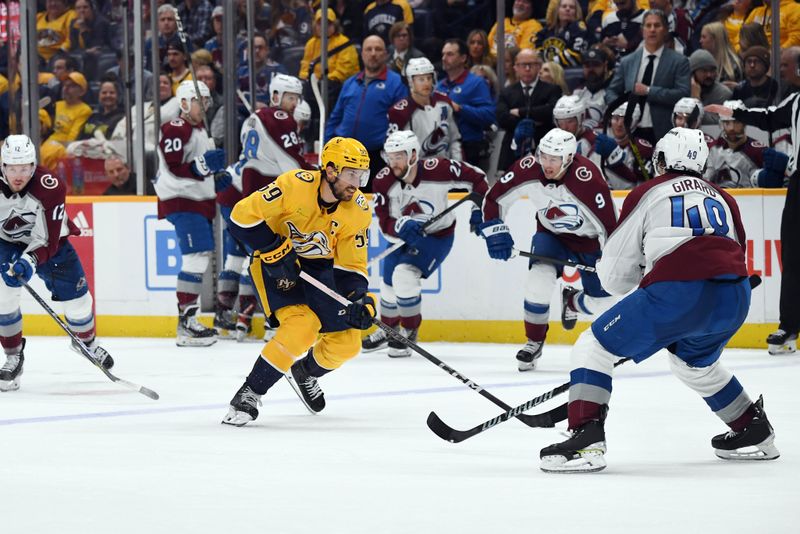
(427, 113)
(569, 114)
(736, 160)
(688, 113)
(187, 183)
(407, 192)
(682, 242)
(34, 238)
(574, 215)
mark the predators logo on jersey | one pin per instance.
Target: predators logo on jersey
(314, 244)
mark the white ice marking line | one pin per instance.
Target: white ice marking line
(348, 396)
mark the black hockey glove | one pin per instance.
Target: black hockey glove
(360, 313)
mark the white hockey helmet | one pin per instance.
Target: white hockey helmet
(731, 104)
(402, 141)
(569, 106)
(283, 83)
(186, 91)
(417, 66)
(681, 149)
(692, 108)
(302, 112)
(623, 109)
(18, 150)
(558, 142)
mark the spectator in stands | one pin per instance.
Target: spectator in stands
(525, 109)
(509, 58)
(380, 15)
(350, 16)
(167, 31)
(262, 21)
(596, 76)
(169, 109)
(732, 17)
(264, 69)
(487, 73)
(520, 28)
(789, 30)
(479, 49)
(657, 76)
(63, 64)
(291, 24)
(201, 57)
(123, 180)
(177, 65)
(471, 99)
(752, 34)
(401, 37)
(622, 29)
(565, 37)
(109, 111)
(705, 86)
(71, 114)
(89, 30)
(757, 90)
(342, 54)
(52, 28)
(714, 38)
(679, 23)
(790, 78)
(364, 101)
(147, 78)
(216, 111)
(196, 18)
(553, 73)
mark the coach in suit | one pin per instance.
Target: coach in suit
(525, 109)
(655, 75)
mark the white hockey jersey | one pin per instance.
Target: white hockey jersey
(434, 125)
(577, 209)
(673, 228)
(734, 167)
(595, 105)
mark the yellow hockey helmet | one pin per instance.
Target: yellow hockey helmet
(345, 152)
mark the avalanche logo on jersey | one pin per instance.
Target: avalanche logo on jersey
(562, 216)
(436, 142)
(311, 245)
(19, 224)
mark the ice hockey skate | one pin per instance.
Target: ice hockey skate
(100, 354)
(755, 442)
(400, 350)
(191, 333)
(225, 324)
(581, 453)
(528, 356)
(781, 342)
(569, 315)
(12, 370)
(377, 340)
(244, 407)
(244, 325)
(306, 387)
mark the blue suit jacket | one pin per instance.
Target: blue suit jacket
(671, 82)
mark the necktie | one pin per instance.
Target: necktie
(647, 79)
(527, 89)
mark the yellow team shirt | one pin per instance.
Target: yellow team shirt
(290, 208)
(53, 35)
(69, 121)
(177, 81)
(522, 35)
(341, 65)
(789, 30)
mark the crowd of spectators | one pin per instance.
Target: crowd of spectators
(601, 51)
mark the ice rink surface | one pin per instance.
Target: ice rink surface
(82, 454)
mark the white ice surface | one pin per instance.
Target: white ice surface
(81, 454)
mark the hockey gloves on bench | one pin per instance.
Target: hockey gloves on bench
(409, 230)
(281, 264)
(774, 167)
(498, 239)
(360, 313)
(210, 162)
(19, 271)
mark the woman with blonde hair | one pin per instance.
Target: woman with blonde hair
(714, 38)
(479, 49)
(565, 37)
(553, 73)
(733, 16)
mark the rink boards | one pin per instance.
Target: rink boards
(470, 298)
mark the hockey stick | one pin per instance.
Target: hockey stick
(626, 122)
(147, 392)
(182, 37)
(391, 332)
(546, 419)
(554, 261)
(473, 196)
(312, 79)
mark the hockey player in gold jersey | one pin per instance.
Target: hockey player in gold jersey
(316, 221)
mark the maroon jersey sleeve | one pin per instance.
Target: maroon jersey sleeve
(521, 173)
(400, 114)
(175, 136)
(51, 193)
(283, 129)
(381, 184)
(586, 182)
(755, 151)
